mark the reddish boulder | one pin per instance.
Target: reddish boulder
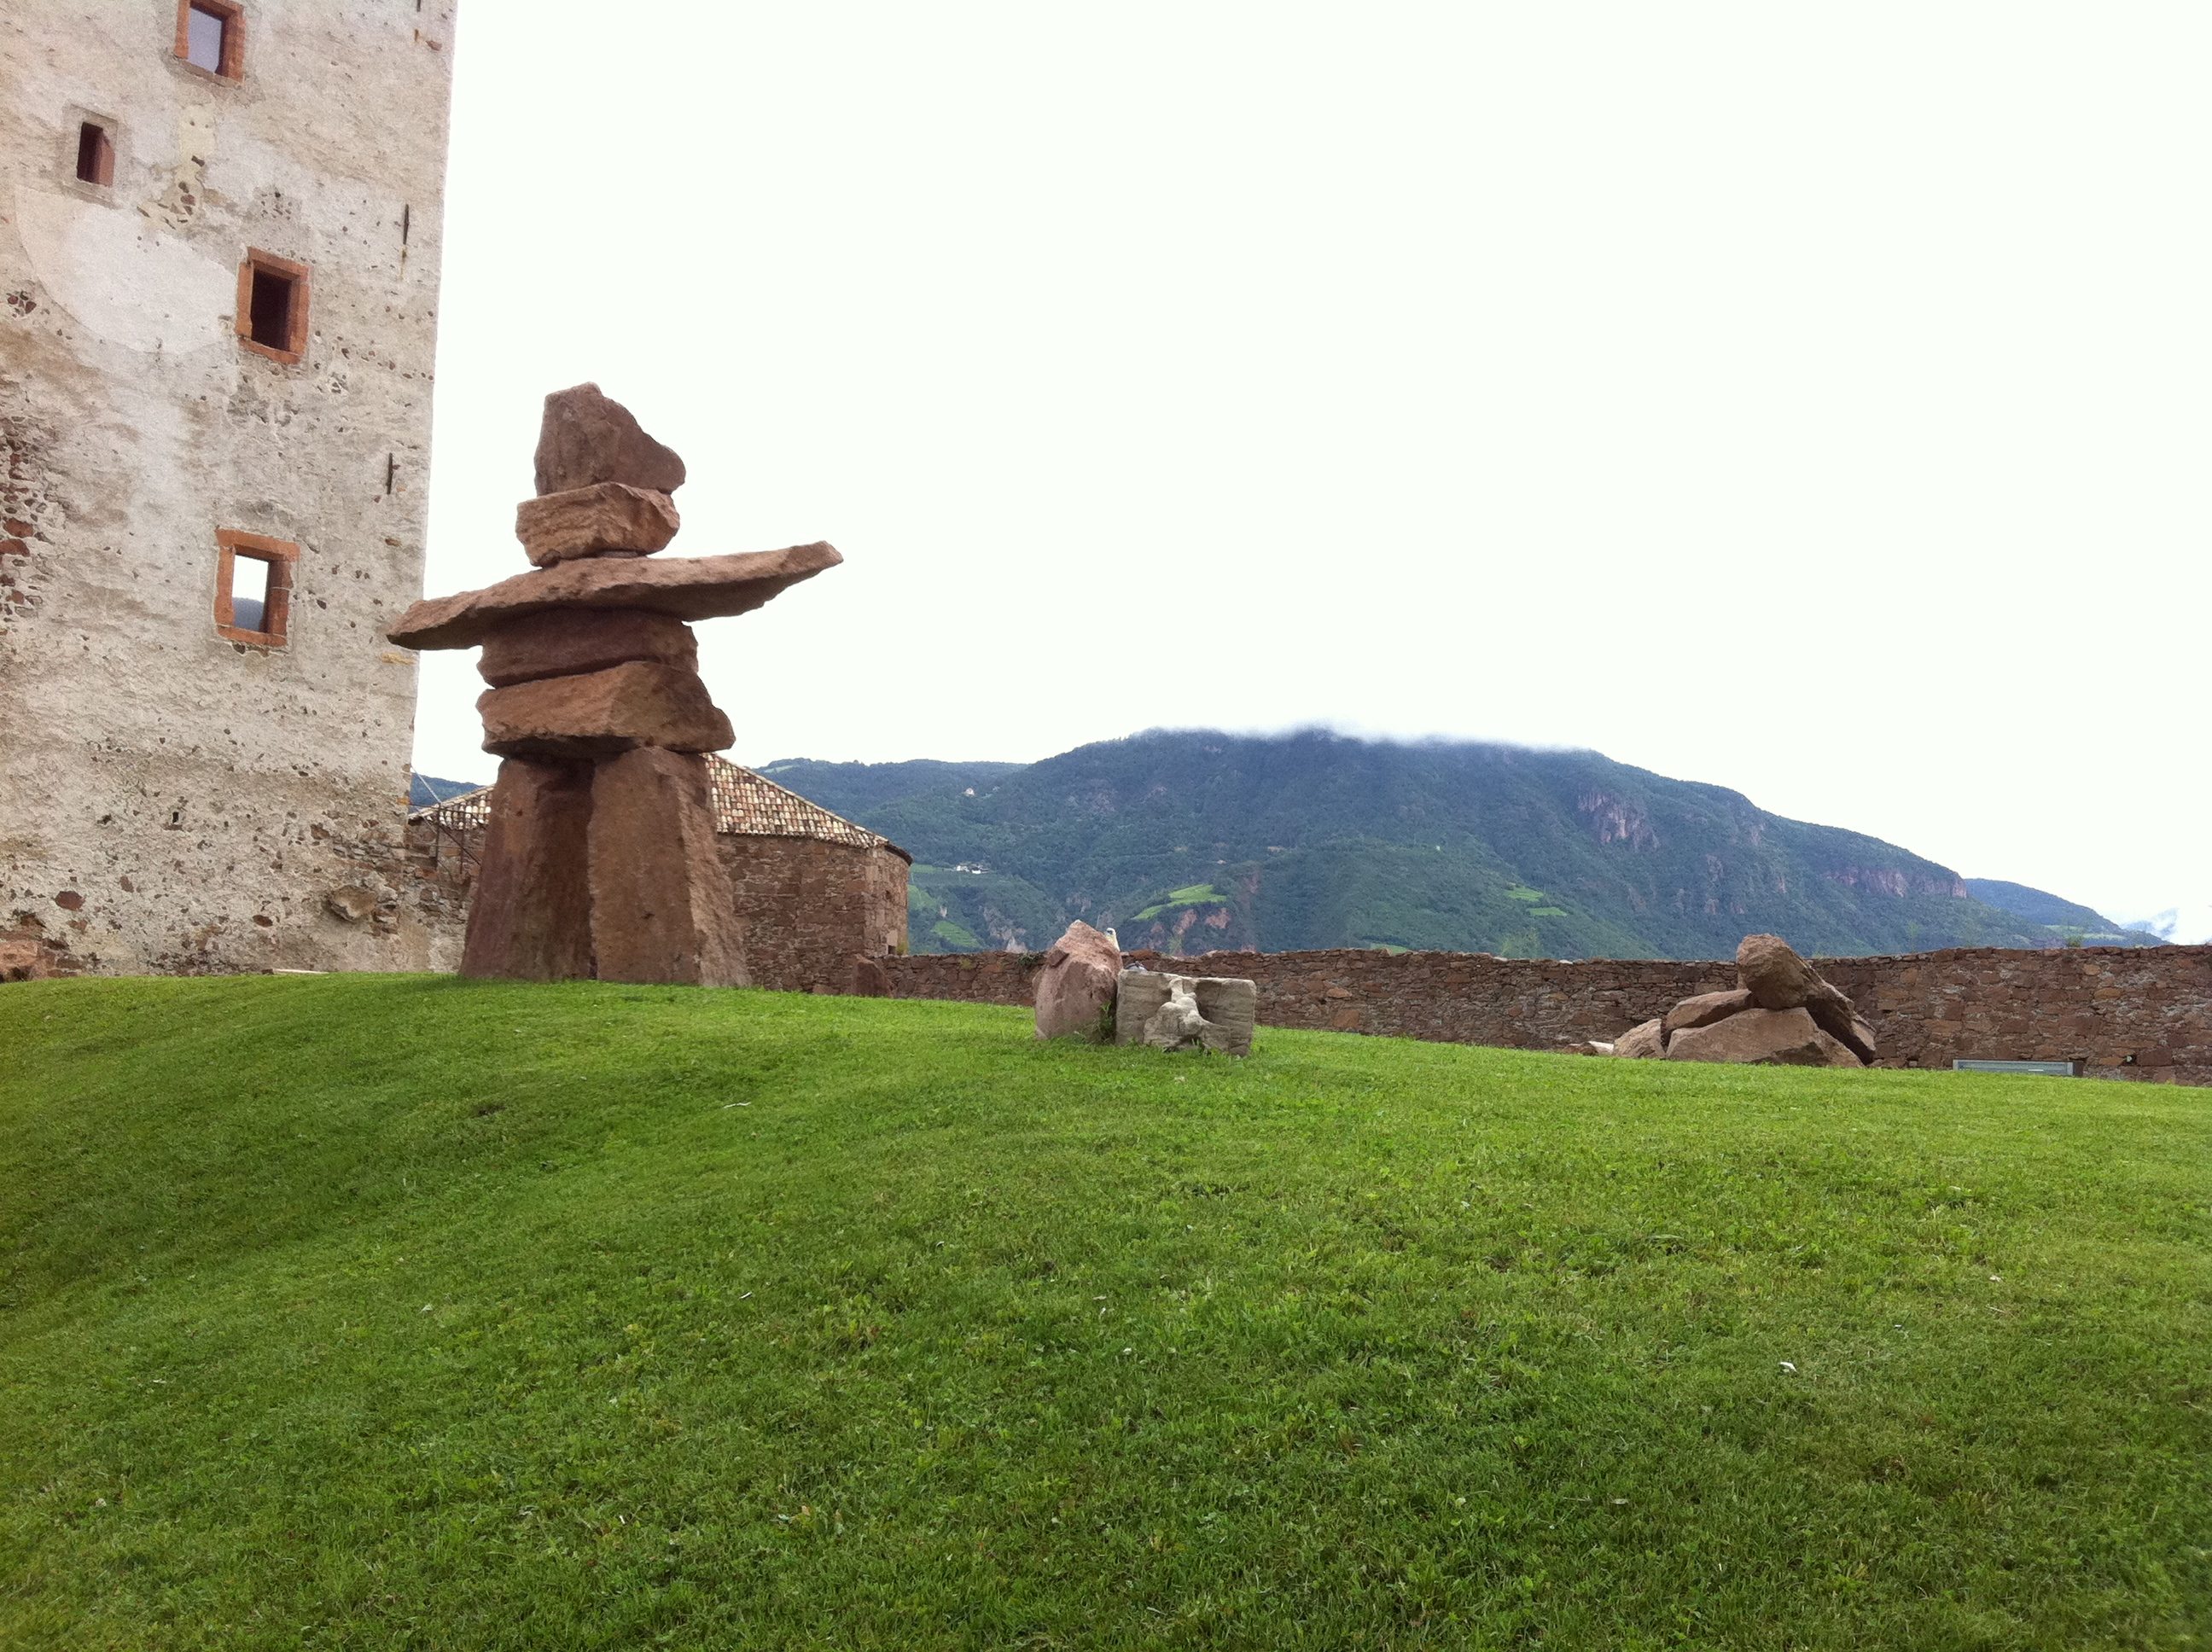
(1769, 968)
(1704, 1010)
(1777, 978)
(661, 910)
(870, 978)
(568, 642)
(688, 587)
(529, 914)
(1832, 1012)
(1075, 985)
(573, 718)
(1761, 1038)
(1644, 1043)
(608, 519)
(587, 437)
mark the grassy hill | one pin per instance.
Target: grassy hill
(406, 1312)
(1194, 841)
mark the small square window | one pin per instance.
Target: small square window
(95, 154)
(211, 36)
(272, 305)
(253, 588)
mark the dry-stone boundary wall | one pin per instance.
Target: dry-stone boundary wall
(2128, 1013)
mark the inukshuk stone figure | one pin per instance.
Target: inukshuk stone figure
(599, 860)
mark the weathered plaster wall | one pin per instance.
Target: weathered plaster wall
(2130, 1013)
(170, 800)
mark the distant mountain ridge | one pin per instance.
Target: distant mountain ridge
(1196, 841)
(424, 790)
(2067, 919)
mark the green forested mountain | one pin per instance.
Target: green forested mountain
(2067, 919)
(1194, 841)
(860, 786)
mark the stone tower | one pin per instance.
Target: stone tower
(219, 259)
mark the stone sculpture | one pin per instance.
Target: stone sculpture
(1182, 1012)
(1781, 1013)
(598, 859)
(1075, 986)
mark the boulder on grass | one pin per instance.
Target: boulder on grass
(1769, 970)
(1171, 1011)
(1777, 978)
(1786, 1038)
(1075, 986)
(1704, 1010)
(1641, 1043)
(1861, 1042)
(1832, 1012)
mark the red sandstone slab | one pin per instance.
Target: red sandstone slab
(684, 588)
(529, 914)
(1703, 1010)
(661, 909)
(565, 641)
(1761, 1038)
(571, 717)
(609, 519)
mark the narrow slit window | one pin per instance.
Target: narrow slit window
(272, 305)
(253, 588)
(211, 36)
(95, 155)
(270, 310)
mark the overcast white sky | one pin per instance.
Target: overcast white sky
(1809, 399)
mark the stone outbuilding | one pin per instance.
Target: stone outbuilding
(812, 890)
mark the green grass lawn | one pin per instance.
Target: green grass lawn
(384, 1311)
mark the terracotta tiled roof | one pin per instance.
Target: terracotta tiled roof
(464, 811)
(752, 806)
(745, 803)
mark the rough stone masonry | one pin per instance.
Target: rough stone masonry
(599, 858)
(2140, 1012)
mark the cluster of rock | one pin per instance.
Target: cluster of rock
(598, 858)
(1083, 991)
(1781, 1013)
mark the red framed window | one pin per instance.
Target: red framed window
(253, 588)
(211, 37)
(272, 305)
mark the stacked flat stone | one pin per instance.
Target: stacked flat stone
(598, 859)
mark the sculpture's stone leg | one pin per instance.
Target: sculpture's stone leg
(660, 899)
(529, 915)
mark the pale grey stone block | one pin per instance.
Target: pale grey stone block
(1172, 1011)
